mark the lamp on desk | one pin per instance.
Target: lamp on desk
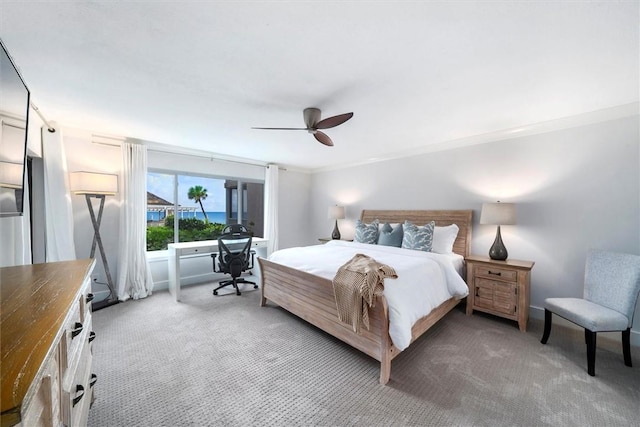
(498, 214)
(336, 213)
(98, 186)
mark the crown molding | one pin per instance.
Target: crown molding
(583, 119)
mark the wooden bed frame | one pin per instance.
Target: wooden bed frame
(311, 297)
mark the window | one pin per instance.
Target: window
(184, 208)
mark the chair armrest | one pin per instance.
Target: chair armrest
(213, 256)
(253, 254)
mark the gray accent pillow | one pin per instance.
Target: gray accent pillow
(390, 236)
(367, 233)
(418, 238)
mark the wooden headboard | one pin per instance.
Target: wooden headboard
(462, 218)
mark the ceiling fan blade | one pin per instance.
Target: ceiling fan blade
(334, 121)
(323, 138)
(280, 128)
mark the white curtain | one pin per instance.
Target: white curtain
(60, 245)
(271, 208)
(134, 274)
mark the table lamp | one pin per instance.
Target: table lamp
(498, 214)
(336, 212)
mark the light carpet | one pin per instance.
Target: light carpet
(211, 361)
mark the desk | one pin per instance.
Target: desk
(179, 250)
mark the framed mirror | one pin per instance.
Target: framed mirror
(14, 118)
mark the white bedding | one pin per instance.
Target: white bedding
(425, 279)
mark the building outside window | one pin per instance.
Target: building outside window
(184, 207)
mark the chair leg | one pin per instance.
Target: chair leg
(234, 282)
(590, 338)
(626, 346)
(243, 280)
(547, 326)
(224, 283)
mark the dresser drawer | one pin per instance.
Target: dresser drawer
(77, 389)
(85, 298)
(496, 273)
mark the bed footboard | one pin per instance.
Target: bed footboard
(312, 299)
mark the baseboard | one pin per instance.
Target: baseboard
(538, 313)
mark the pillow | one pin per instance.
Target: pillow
(393, 225)
(390, 236)
(367, 233)
(418, 238)
(443, 239)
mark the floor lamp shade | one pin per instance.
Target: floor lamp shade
(498, 214)
(10, 175)
(93, 183)
(336, 213)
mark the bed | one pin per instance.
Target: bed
(311, 297)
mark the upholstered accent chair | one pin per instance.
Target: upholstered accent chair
(611, 287)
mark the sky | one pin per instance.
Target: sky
(162, 185)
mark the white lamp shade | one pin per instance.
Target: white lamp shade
(93, 183)
(336, 212)
(11, 175)
(498, 214)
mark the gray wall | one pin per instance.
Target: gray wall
(575, 189)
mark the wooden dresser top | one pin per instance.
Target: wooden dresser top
(34, 301)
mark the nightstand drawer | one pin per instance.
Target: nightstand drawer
(497, 273)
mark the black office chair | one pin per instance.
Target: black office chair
(234, 256)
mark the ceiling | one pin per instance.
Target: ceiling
(201, 74)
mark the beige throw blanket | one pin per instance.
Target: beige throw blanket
(355, 285)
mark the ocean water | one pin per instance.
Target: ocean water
(219, 217)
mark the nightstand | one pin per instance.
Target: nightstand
(500, 288)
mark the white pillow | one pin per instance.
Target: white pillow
(443, 239)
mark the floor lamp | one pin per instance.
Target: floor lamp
(98, 186)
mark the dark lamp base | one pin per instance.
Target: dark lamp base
(335, 235)
(498, 250)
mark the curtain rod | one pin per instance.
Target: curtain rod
(212, 158)
(46, 122)
(156, 149)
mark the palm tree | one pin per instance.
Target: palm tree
(198, 194)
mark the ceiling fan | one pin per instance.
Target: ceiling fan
(313, 122)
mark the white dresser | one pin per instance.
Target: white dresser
(46, 342)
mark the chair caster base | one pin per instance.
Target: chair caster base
(215, 292)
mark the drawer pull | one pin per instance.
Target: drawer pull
(94, 379)
(79, 389)
(77, 328)
(92, 336)
(495, 273)
(90, 297)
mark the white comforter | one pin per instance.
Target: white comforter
(425, 280)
